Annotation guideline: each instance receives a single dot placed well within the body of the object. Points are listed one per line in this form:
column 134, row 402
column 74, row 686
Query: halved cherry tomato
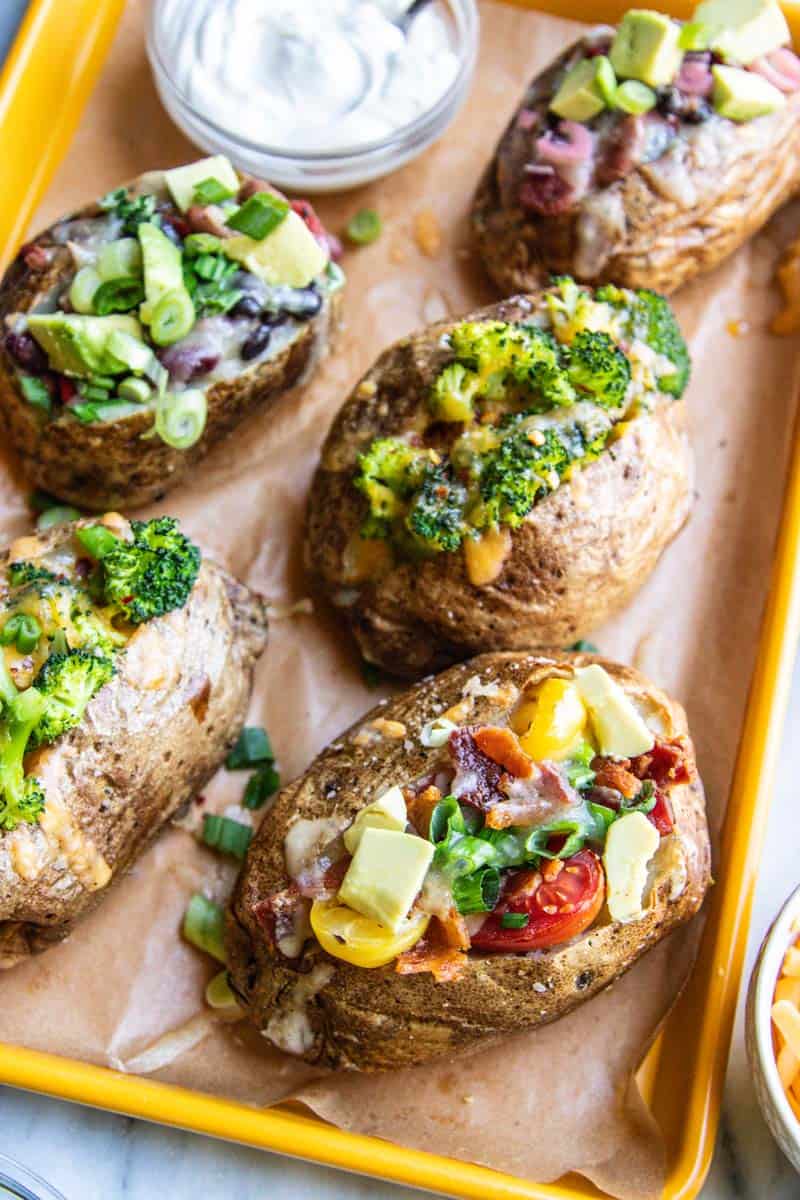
column 558, row 908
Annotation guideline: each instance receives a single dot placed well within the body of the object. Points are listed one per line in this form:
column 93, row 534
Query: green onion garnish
column 211, row 191
column 204, row 926
column 364, row 227
column 252, row 747
column 226, row 835
column 181, row 417
column 262, row 784
column 23, row 630
column 172, row 317
column 512, row 920
column 118, row 295
column 36, row 392
column 201, row 243
column 477, row 893
column 584, row 647
column 96, row 540
column 259, row 215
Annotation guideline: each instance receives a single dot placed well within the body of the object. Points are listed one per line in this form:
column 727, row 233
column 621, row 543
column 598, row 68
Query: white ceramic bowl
column 758, row 1029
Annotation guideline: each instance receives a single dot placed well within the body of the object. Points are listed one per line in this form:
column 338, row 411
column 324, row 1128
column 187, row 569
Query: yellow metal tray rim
column 32, row 143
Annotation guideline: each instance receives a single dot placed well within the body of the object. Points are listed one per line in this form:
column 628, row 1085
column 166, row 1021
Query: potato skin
column 577, row 558
column 376, row 1019
column 658, row 243
column 149, row 740
column 111, row 465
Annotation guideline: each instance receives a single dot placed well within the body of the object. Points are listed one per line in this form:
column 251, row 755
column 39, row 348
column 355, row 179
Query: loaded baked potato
column 646, row 155
column 476, row 857
column 125, row 673
column 506, row 481
column 141, row 330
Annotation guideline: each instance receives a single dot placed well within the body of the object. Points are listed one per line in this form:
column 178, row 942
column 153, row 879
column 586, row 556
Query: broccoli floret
column 541, row 375
column 598, row 366
column 388, row 474
column 572, row 309
column 151, row 575
column 453, row 393
column 23, row 572
column 68, row 682
column 21, row 797
column 436, row 516
column 519, row 471
column 650, row 318
column 489, row 347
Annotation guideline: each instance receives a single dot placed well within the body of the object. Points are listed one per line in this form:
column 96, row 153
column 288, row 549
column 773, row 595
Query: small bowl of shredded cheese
column 773, row 1028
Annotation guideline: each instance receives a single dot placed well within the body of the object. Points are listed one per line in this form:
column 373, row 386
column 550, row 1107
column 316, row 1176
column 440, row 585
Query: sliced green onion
column 119, row 259
column 106, row 410
column 262, row 784
column 204, row 926
column 118, row 295
column 211, row 191
column 695, row 35
column 579, row 768
column 59, row 514
column 23, row 630
column 252, row 747
column 135, row 389
column 172, row 317
column 219, row 994
column 83, row 289
column 226, row 835
column 363, row 227
column 259, row 215
column 8, row 689
column 201, row 243
column 92, row 392
column 446, row 817
column 634, row 97
column 477, row 893
column 513, row 920
column 584, row 647
column 96, row 540
column 604, row 78
column 603, row 816
column 36, row 392
column 645, row 802
column 212, row 267
column 181, row 417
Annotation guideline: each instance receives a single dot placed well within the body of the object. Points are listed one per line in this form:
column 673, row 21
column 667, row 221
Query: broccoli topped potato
column 150, row 575
column 523, row 404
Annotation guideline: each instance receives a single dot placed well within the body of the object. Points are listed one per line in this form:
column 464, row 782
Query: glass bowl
column 18, row 1183
column 325, row 171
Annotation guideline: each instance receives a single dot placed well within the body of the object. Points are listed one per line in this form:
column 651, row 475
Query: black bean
column 27, row 352
column 256, row 343
column 248, row 306
column 301, row 302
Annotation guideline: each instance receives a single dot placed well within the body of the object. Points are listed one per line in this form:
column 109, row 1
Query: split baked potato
column 125, row 671
column 141, row 330
column 506, row 481
column 645, row 155
column 476, row 857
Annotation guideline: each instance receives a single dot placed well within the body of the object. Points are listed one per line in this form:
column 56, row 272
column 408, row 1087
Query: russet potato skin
column 659, row 242
column 577, row 559
column 113, row 465
column 149, row 741
column 374, row 1019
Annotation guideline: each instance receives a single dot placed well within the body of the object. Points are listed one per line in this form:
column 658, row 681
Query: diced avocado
column 744, row 30
column 130, row 352
column 646, row 47
column 620, row 731
column 387, row 812
column 630, row 844
column 386, row 873
column 580, row 96
column 181, row 181
column 743, row 95
column 163, row 266
column 78, row 345
column 290, row 254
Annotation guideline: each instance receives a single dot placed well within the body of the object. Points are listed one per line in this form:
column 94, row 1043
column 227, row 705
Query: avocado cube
column 744, row 30
column 387, row 872
column 181, row 181
column 618, row 727
column 79, row 345
column 579, row 98
column 290, row 254
column 162, row 263
column 743, row 95
column 387, row 812
column 646, row 47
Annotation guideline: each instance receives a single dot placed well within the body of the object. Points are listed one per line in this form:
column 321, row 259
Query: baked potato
column 645, row 170
column 476, row 857
column 141, row 330
column 506, row 481
column 125, row 671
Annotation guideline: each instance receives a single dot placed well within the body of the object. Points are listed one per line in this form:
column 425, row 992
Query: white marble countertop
column 90, row 1155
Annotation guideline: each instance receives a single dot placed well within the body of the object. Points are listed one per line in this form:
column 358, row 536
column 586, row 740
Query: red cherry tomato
column 558, row 908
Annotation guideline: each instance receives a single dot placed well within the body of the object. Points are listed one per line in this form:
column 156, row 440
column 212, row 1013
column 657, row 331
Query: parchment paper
column 541, row 1103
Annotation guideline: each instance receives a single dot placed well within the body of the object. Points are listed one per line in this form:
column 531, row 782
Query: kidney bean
column 208, row 218
column 26, row 352
column 252, row 185
column 256, row 343
column 189, row 362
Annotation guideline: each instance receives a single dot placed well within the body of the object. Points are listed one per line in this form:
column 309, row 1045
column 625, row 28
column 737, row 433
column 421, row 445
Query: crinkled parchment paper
column 538, row 1104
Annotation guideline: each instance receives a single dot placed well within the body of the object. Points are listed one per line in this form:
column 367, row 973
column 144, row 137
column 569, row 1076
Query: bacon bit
column 428, row 233
column 454, row 930
column 552, row 869
column 67, row 390
column 538, row 800
column 522, row 884
column 666, row 764
column 276, row 914
column 613, row 774
column 478, row 778
column 503, row 747
column 436, row 952
column 420, row 806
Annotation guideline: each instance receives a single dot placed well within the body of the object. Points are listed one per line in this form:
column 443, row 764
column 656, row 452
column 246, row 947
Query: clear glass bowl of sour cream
column 18, row 1183
column 313, row 95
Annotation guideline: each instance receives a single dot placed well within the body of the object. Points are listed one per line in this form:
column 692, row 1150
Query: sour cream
column 307, row 75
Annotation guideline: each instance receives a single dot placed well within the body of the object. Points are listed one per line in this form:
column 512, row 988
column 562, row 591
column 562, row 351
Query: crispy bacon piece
column 420, row 806
column 502, row 746
column 435, row 952
column 667, row 763
column 612, row 774
column 478, row 778
column 277, row 914
column 539, row 798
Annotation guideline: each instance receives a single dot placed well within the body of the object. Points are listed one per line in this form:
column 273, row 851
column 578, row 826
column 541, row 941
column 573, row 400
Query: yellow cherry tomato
column 558, row 723
column 347, row 934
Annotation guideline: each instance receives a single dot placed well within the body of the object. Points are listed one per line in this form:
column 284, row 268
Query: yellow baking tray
column 42, row 95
